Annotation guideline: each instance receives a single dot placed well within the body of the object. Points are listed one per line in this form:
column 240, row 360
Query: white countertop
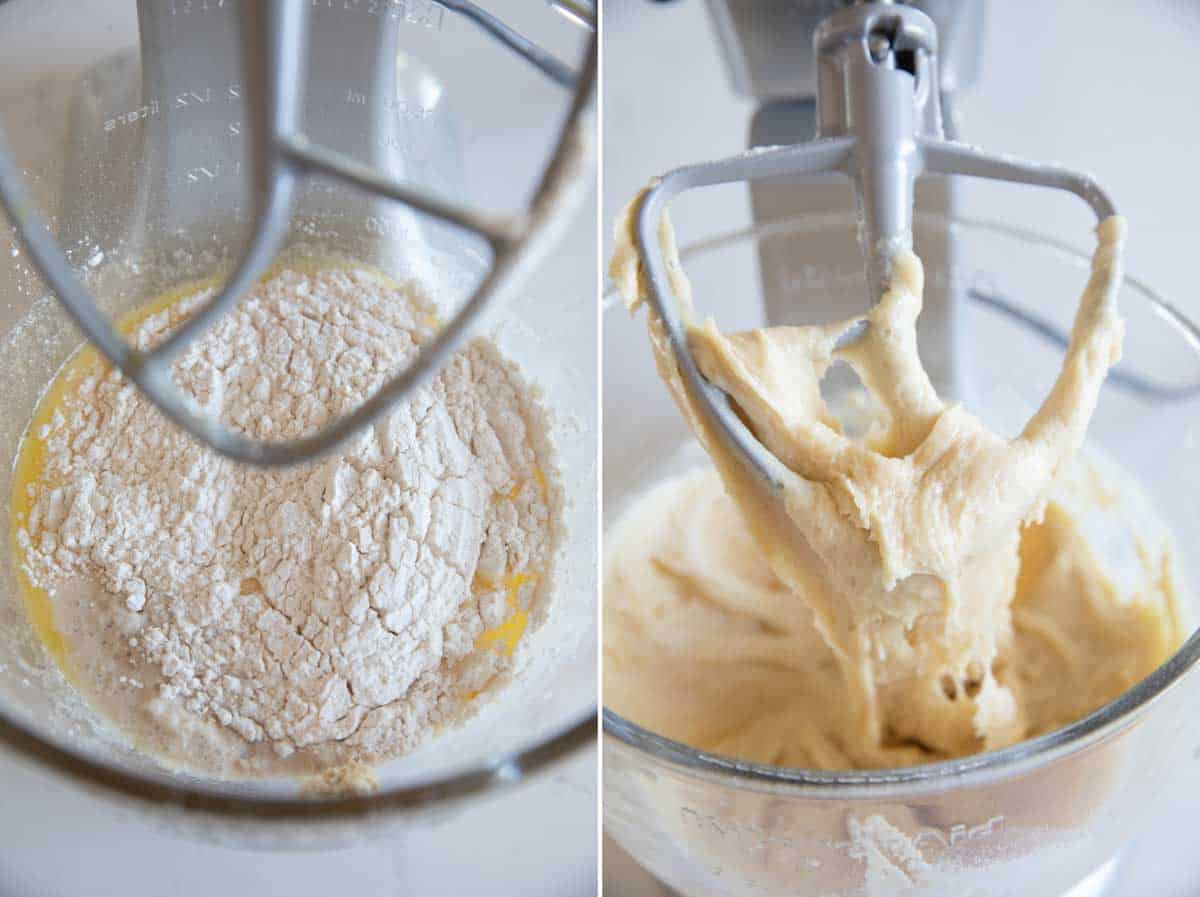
column 535, row 841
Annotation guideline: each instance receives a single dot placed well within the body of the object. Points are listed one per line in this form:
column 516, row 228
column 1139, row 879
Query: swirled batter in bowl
column 911, row 595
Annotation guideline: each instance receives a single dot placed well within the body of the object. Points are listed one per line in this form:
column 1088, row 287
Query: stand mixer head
column 879, row 124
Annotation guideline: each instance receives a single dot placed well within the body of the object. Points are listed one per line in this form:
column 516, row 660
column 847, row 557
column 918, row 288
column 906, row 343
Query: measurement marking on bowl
column 753, row 839
column 425, row 13
column 931, row 841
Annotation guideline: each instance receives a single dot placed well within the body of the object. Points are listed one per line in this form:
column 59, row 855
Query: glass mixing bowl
column 1049, row 816
column 138, row 162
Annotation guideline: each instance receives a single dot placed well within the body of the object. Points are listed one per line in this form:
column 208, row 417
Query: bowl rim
column 975, row 770
column 206, row 796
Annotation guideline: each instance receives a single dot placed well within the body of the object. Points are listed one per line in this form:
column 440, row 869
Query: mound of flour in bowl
column 241, row 621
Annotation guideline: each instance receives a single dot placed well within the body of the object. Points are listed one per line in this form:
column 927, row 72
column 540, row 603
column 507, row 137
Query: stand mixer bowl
column 136, row 223
column 1047, row 817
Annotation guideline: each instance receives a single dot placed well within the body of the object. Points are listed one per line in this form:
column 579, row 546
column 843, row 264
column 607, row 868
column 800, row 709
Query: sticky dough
column 907, row 596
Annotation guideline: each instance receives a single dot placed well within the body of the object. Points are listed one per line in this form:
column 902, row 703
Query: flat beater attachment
column 880, row 125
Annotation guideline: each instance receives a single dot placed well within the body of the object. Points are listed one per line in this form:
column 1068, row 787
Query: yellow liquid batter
column 30, row 463
column 31, row 460
column 506, row 635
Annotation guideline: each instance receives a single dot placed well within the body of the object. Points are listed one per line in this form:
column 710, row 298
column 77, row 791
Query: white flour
column 242, row 621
